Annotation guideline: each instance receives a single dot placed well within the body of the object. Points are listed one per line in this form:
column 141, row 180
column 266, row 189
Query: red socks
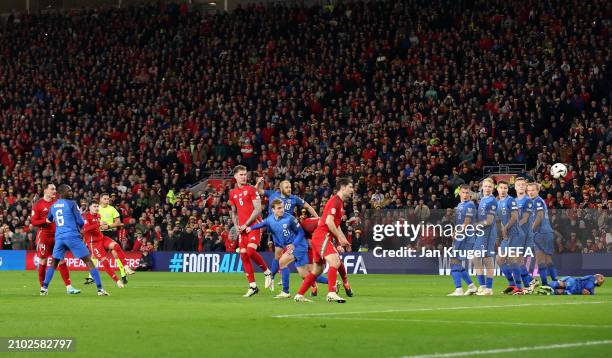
column 342, row 272
column 308, row 281
column 110, row 271
column 42, row 270
column 120, row 254
column 332, row 275
column 252, row 253
column 248, row 267
column 63, row 269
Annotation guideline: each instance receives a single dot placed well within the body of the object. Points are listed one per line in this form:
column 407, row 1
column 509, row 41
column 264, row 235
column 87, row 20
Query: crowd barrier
column 356, row 263
column 27, row 260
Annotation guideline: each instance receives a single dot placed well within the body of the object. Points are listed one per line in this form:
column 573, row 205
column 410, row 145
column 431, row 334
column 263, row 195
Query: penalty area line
column 427, row 309
column 511, row 350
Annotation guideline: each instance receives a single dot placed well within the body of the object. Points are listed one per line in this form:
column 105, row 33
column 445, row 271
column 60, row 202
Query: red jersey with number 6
column 242, row 198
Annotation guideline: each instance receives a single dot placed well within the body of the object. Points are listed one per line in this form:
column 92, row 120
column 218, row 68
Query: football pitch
column 205, row 315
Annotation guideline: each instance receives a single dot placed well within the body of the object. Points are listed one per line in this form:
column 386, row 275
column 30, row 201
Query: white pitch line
column 495, row 323
column 511, row 350
column 429, row 309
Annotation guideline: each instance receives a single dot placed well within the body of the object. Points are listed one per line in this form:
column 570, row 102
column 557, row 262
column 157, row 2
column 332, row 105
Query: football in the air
column 558, row 170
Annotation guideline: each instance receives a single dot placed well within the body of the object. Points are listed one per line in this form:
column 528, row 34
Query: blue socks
column 525, row 276
column 48, row 276
column 456, row 274
column 274, row 267
column 516, row 273
column 322, row 279
column 466, row 276
column 552, row 271
column 505, row 269
column 543, row 271
column 95, row 274
column 489, row 282
column 481, row 280
column 285, row 276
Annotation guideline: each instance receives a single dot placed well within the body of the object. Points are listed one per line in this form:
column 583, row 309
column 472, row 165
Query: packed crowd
column 409, row 98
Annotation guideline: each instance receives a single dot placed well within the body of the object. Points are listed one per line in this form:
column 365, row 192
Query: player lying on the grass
column 98, row 243
column 322, row 244
column 542, row 236
column 245, row 210
column 512, row 237
column 485, row 239
column 290, row 202
column 68, row 221
column 45, row 239
column 464, row 241
column 526, row 217
column 288, row 235
column 568, row 285
column 309, row 225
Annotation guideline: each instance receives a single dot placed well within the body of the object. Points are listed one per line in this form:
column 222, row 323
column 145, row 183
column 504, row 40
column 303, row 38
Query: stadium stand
column 409, row 100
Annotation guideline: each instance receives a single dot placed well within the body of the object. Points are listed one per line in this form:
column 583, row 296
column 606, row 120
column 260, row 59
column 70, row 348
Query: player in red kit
column 310, row 225
column 97, row 243
column 45, row 238
column 323, row 248
column 246, row 211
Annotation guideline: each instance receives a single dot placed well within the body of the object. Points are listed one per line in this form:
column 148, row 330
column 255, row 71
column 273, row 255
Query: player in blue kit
column 68, row 222
column 573, row 285
column 290, row 203
column 288, row 235
column 512, row 237
column 485, row 239
column 464, row 241
column 542, row 237
column 526, row 217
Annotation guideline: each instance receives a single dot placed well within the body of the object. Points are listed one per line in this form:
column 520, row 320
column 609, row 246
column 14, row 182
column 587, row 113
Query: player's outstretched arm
column 259, row 186
column 311, row 210
column 261, row 225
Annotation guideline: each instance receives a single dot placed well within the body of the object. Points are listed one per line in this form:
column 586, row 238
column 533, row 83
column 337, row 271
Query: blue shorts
column 529, row 241
column 544, row 242
column 277, row 243
column 460, row 248
column 301, row 257
column 572, row 286
column 518, row 240
column 486, row 244
column 73, row 244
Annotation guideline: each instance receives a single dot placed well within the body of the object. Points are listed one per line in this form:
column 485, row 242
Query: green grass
column 180, row 314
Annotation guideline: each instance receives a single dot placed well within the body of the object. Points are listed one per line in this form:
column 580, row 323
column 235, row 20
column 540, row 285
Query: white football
column 558, row 170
